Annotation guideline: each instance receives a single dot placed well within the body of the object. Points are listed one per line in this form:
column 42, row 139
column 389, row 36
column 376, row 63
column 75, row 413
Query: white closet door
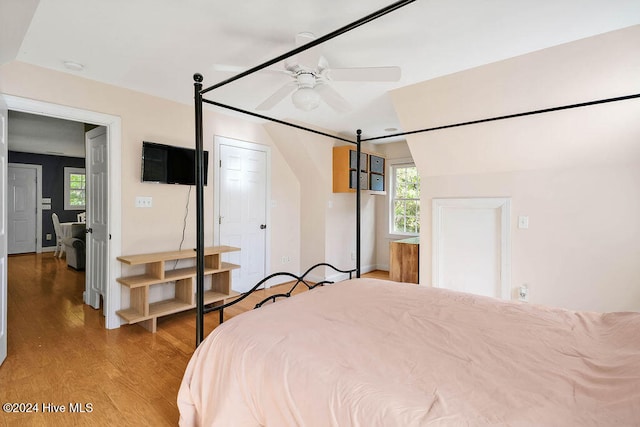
column 243, row 212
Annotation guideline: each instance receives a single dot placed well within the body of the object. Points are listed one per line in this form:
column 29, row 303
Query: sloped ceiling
column 155, row 46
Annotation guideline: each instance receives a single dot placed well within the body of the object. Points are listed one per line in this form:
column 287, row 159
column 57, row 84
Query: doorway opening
column 106, row 268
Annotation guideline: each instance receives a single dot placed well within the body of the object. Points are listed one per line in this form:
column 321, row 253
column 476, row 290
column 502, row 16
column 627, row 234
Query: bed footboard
column 302, row 279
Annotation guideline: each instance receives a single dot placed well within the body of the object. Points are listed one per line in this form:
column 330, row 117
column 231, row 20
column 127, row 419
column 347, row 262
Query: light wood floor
column 59, row 352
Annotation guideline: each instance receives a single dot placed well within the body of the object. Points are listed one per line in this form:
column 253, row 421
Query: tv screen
column 168, row 164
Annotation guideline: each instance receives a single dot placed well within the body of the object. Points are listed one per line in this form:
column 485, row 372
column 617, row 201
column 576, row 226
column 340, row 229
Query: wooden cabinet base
column 404, row 262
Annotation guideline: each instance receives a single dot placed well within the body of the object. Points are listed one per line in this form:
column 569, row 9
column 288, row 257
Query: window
column 75, row 188
column 405, row 200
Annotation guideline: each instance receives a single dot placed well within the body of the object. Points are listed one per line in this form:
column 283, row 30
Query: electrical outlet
column 48, row 236
column 523, row 293
column 286, row 259
column 144, row 202
column 523, row 221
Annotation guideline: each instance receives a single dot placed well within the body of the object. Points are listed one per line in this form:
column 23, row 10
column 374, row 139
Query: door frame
column 114, row 141
column 504, row 206
column 38, row 169
column 219, row 140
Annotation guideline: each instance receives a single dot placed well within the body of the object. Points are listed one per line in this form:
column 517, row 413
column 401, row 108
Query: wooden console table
column 404, row 263
column 145, row 313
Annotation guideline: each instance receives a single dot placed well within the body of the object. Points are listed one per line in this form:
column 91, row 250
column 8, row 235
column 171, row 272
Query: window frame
column 68, row 171
column 400, row 163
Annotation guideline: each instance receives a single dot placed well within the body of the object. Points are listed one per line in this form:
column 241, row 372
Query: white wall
column 327, row 226
column 574, row 173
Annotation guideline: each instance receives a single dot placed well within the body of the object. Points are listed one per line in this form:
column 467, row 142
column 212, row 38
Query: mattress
column 368, row 352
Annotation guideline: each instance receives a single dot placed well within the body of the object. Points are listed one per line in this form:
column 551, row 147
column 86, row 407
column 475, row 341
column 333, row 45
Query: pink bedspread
column 374, row 353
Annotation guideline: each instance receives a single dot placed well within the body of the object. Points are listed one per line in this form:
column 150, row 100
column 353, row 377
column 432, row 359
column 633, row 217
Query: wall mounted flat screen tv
column 168, row 164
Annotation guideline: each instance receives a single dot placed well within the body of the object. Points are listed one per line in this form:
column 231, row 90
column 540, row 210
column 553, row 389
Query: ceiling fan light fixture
column 306, row 99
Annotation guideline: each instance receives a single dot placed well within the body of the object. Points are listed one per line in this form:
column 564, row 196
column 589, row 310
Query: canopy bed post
column 358, row 202
column 199, row 211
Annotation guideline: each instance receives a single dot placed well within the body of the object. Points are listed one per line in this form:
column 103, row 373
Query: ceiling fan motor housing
column 306, row 79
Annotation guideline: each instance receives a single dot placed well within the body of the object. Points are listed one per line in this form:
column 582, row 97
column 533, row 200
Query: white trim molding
column 114, row 140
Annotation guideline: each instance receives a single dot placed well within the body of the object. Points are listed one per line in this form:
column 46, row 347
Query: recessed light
column 390, row 129
column 73, row 66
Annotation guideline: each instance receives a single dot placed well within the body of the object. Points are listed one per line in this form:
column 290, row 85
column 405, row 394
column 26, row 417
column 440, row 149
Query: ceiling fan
column 311, row 79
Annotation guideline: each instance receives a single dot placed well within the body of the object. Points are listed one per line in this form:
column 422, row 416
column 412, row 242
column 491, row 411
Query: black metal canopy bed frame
column 200, row 92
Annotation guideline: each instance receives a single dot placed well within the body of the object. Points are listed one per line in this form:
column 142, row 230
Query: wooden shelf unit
column 141, row 311
column 371, row 171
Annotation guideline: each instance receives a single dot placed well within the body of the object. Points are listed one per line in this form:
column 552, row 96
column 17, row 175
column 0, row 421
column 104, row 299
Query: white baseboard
column 339, row 277
column 279, row 280
column 383, row 267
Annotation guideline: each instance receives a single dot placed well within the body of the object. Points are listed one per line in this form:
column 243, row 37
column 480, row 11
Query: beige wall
column 395, row 152
column 575, row 173
column 147, row 118
column 327, row 226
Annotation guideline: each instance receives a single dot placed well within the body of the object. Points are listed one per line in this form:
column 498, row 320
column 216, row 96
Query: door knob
column 263, row 226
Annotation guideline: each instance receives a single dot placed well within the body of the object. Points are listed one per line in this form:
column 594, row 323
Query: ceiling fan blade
column 332, row 98
column 366, row 74
column 228, row 68
column 310, row 57
column 277, row 96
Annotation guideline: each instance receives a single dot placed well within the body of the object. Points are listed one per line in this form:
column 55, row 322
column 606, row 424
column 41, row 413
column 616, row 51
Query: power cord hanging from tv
column 184, row 223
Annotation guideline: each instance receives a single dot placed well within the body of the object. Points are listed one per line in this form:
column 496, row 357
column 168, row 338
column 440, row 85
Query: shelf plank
column 131, row 315
column 171, row 306
column 171, row 275
column 173, row 255
column 227, row 266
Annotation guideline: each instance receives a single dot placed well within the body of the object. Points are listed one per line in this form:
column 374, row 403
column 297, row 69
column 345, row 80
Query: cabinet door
column 376, row 165
column 377, row 182
column 364, row 180
column 364, row 160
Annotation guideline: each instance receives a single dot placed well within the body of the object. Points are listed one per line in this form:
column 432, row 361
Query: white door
column 3, row 233
column 21, row 208
column 471, row 245
column 97, row 216
column 243, row 212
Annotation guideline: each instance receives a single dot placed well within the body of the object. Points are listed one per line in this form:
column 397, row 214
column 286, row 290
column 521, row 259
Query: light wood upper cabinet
column 345, row 172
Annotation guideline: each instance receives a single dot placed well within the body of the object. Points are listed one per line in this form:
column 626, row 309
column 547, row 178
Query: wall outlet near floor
column 144, row 202
column 523, row 221
column 523, row 293
column 286, row 259
column 48, row 236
